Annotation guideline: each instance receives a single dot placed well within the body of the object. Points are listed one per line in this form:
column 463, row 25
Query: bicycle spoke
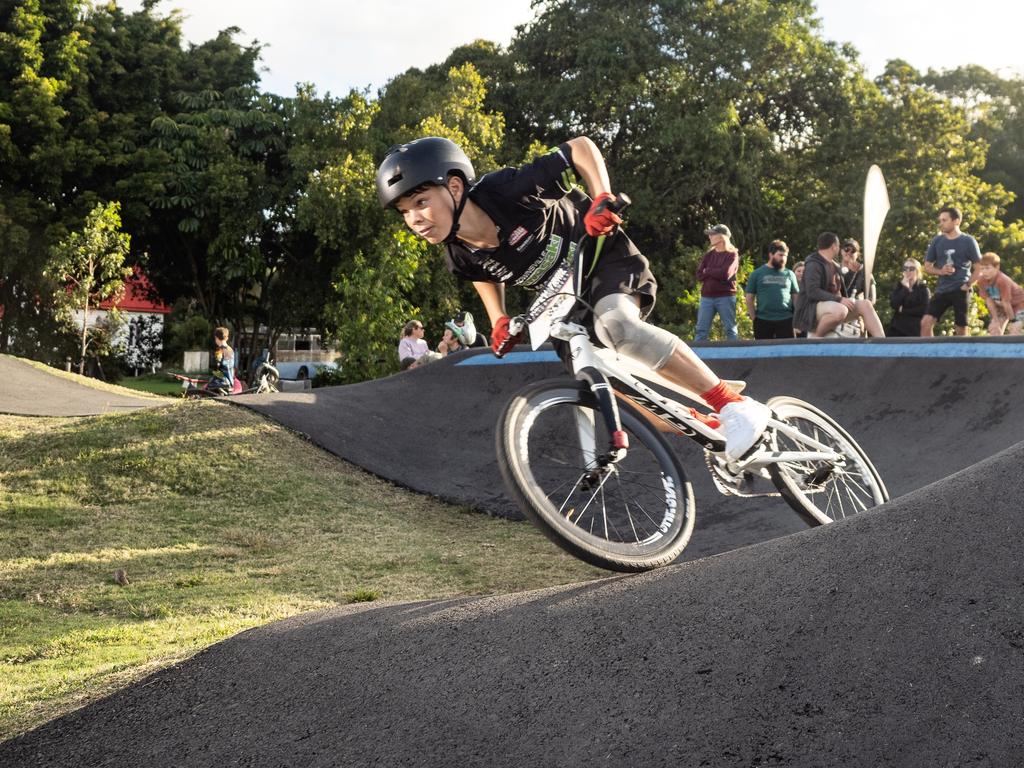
column 823, row 490
column 628, row 515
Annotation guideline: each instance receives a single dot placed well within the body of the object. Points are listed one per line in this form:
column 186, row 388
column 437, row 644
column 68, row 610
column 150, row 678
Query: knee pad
column 618, row 326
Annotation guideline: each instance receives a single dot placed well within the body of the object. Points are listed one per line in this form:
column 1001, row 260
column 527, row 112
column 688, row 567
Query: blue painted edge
column 933, row 350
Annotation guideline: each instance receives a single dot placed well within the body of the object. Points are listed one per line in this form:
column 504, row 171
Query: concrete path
column 26, row 390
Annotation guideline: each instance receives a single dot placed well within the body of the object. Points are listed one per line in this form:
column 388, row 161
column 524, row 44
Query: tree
column 89, row 267
column 41, row 53
column 371, row 303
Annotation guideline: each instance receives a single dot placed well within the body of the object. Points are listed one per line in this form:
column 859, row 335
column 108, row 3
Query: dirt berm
column 893, row 638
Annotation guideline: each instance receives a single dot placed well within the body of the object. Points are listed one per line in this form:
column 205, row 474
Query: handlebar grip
column 617, row 205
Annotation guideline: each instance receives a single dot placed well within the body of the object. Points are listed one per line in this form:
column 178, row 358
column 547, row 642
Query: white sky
column 353, row 44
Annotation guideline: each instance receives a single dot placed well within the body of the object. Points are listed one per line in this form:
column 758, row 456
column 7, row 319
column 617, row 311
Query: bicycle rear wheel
column 633, row 515
column 823, row 492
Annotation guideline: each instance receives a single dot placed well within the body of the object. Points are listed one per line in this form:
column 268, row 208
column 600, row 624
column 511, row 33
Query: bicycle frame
column 606, row 372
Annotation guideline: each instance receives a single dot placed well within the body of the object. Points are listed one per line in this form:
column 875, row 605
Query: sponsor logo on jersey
column 498, row 270
column 535, row 273
column 525, row 244
column 517, row 234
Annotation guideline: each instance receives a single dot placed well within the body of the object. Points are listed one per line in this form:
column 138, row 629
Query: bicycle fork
column 585, row 369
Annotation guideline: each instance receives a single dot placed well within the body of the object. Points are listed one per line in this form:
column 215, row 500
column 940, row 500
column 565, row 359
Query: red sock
column 720, row 396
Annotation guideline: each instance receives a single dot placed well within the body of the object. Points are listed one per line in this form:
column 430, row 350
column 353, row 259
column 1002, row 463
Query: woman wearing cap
column 516, row 225
column 717, row 277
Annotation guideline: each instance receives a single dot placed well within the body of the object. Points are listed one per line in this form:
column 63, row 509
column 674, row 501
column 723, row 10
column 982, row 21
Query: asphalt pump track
column 892, row 638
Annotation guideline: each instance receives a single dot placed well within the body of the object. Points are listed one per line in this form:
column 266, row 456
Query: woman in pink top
column 1003, row 297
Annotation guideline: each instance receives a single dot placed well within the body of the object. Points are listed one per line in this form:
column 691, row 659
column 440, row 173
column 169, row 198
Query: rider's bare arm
column 493, row 297
column 589, row 163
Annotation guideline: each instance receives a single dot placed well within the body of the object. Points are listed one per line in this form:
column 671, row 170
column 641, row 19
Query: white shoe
column 743, row 423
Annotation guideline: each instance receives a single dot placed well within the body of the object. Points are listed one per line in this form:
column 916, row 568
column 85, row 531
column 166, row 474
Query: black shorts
column 621, row 268
column 940, row 302
column 773, row 329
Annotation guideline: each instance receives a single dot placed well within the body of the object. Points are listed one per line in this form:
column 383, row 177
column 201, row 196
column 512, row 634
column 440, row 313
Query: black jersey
column 539, row 214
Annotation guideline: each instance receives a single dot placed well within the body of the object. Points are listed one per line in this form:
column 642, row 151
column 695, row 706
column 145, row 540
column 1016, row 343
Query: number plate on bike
column 556, row 300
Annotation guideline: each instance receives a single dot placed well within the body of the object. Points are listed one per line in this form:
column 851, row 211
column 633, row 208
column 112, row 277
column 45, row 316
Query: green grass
column 154, row 383
column 221, row 521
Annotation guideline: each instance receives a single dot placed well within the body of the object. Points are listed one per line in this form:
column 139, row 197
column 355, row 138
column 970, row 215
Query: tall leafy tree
column 41, row 52
column 89, row 268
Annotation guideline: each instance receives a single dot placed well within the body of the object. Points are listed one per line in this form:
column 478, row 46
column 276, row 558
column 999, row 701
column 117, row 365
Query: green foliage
column 41, row 50
column 186, row 330
column 260, row 211
column 327, row 376
column 371, row 304
column 88, row 267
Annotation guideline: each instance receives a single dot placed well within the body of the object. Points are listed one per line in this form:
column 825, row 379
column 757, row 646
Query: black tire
column 822, row 493
column 303, row 374
column 643, row 505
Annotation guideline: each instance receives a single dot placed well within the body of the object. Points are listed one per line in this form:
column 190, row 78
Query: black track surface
column 432, row 429
column 894, row 638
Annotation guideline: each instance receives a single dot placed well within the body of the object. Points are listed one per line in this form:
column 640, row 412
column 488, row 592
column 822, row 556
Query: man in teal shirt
column 770, row 291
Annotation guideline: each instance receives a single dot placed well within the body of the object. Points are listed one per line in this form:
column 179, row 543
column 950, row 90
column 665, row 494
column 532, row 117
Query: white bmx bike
column 587, row 460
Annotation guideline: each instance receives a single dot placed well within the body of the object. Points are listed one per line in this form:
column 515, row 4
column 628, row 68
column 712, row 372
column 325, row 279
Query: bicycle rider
column 517, row 224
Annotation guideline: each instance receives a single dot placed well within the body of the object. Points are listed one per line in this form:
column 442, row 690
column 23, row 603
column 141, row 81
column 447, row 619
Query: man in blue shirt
column 951, row 257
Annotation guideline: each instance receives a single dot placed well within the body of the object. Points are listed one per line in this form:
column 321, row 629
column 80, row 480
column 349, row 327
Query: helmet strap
column 456, row 213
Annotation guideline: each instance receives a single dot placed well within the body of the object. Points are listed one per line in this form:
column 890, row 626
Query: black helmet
column 430, row 160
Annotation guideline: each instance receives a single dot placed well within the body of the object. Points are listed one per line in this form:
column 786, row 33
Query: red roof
column 138, row 297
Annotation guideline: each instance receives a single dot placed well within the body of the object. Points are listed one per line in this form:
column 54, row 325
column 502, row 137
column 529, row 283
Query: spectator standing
column 412, row 344
column 909, row 300
column 950, row 257
column 770, row 293
column 798, row 300
column 1003, row 298
column 824, row 306
column 717, row 276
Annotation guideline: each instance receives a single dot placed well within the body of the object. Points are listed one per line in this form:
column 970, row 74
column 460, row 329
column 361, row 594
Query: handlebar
column 617, row 205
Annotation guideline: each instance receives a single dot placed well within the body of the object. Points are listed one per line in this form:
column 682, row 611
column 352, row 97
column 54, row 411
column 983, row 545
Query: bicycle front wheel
column 821, row 491
column 633, row 515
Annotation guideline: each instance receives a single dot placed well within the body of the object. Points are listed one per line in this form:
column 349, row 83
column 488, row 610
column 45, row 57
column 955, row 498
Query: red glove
column 601, row 219
column 501, row 340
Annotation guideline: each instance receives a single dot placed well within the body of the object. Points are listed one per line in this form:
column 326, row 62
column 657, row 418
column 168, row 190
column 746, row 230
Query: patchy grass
column 153, row 383
column 131, row 541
